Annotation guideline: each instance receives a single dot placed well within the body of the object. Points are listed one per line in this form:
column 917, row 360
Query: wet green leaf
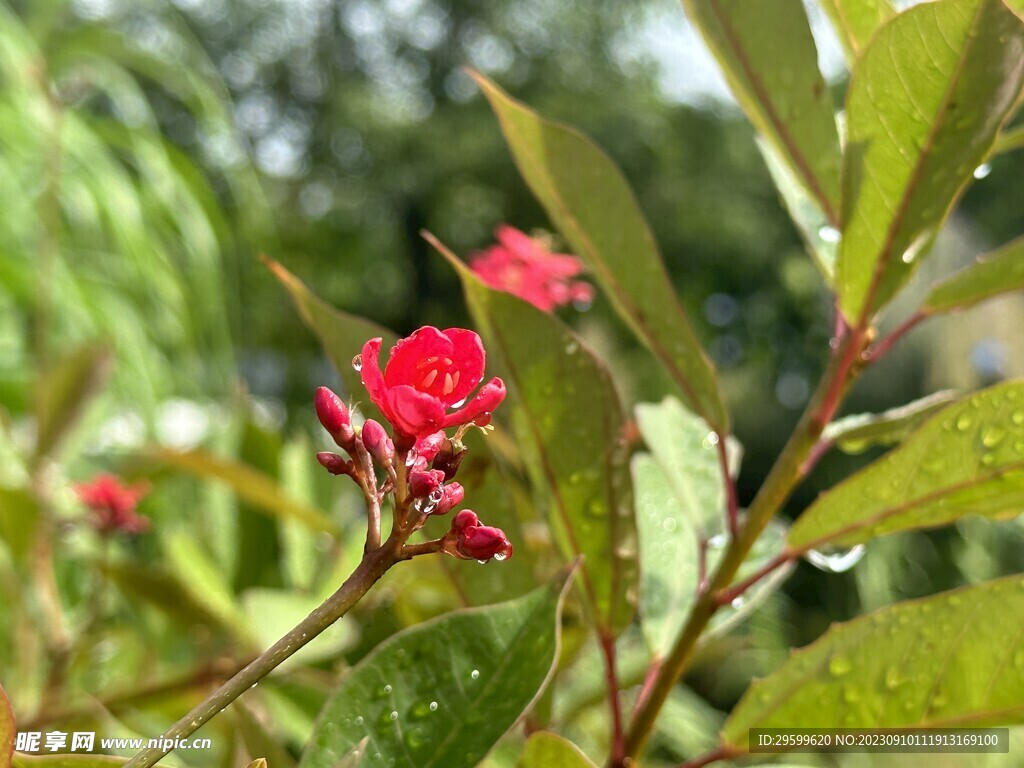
column 925, row 104
column 994, row 274
column 968, row 459
column 549, row 750
column 342, row 335
column 587, row 198
column 855, row 21
column 65, row 389
column 569, row 414
column 768, row 57
column 444, row 692
column 258, row 489
column 857, row 433
column 950, row 660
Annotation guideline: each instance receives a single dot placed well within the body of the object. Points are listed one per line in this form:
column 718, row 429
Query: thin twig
column 726, row 596
column 618, row 743
column 730, row 487
column 879, row 349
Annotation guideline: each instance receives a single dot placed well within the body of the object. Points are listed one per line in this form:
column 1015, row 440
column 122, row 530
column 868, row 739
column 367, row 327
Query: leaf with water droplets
column 995, row 274
column 951, row 660
column 342, row 335
column 569, row 421
column 768, row 57
column 855, row 21
column 857, row 433
column 967, row 459
column 680, row 500
column 926, row 100
column 549, row 750
column 444, row 692
column 591, row 203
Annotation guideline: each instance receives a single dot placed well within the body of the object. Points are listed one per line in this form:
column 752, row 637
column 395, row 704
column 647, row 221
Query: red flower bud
column 377, row 442
column 427, row 447
column 334, row 463
column 422, row 484
column 482, row 542
column 465, row 519
column 334, row 417
column 453, row 495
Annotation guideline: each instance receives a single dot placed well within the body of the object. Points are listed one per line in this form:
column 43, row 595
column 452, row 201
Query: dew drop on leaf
column 357, row 362
column 839, row 665
column 836, row 561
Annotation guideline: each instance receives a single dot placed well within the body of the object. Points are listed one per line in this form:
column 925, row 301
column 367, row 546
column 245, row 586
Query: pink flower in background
column 113, row 503
column 525, row 267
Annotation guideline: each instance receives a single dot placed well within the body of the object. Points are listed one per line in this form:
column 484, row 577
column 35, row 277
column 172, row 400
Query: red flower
column 427, row 374
column 113, row 504
column 525, row 267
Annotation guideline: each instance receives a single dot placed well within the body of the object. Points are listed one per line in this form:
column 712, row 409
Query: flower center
column 437, row 376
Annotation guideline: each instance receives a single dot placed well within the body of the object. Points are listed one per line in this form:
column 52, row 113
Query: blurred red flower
column 112, row 504
column 525, row 267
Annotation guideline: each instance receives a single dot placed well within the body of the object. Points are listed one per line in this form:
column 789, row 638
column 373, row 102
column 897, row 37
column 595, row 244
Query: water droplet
column 669, row 524
column 411, row 457
column 711, row 439
column 964, row 422
column 572, row 347
column 357, row 362
column 433, row 706
column 916, row 247
column 982, row 171
column 482, row 562
column 836, row 561
column 499, row 556
column 475, row 674
column 394, row 715
column 828, row 234
column 459, row 404
column 839, row 665
column 359, row 720
column 737, row 603
column 388, row 689
column 717, row 541
column 992, row 436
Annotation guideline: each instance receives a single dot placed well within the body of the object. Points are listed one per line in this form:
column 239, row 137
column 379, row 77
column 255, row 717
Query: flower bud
column 465, row 519
column 377, row 443
column 334, row 417
column 449, row 457
column 482, row 542
column 427, row 447
column 422, row 484
column 453, row 494
column 334, row 463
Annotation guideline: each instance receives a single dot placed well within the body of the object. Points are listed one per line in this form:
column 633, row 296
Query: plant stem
column 844, row 365
column 618, row 744
column 372, row 567
column 726, row 596
column 876, row 352
column 730, row 487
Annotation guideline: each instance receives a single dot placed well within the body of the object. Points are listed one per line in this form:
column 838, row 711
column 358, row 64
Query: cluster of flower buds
column 112, row 504
column 423, row 391
column 526, row 267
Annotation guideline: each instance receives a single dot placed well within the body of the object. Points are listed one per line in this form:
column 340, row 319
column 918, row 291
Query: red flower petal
column 413, row 412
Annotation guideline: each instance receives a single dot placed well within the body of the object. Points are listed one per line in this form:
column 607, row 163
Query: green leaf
column 254, row 487
column 680, row 502
column 950, row 660
column 444, row 692
column 571, row 418
column 925, row 104
column 342, row 335
column 549, row 750
column 968, row 459
column 64, row 391
column 8, row 730
column 1009, row 140
column 855, row 21
column 991, row 275
column 768, row 57
column 587, row 198
column 855, row 434
column 21, row 760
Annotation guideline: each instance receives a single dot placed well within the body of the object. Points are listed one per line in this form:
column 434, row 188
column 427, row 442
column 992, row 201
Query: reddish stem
column 730, row 487
column 726, row 596
column 702, row 565
column 617, row 757
column 648, row 684
column 877, row 351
